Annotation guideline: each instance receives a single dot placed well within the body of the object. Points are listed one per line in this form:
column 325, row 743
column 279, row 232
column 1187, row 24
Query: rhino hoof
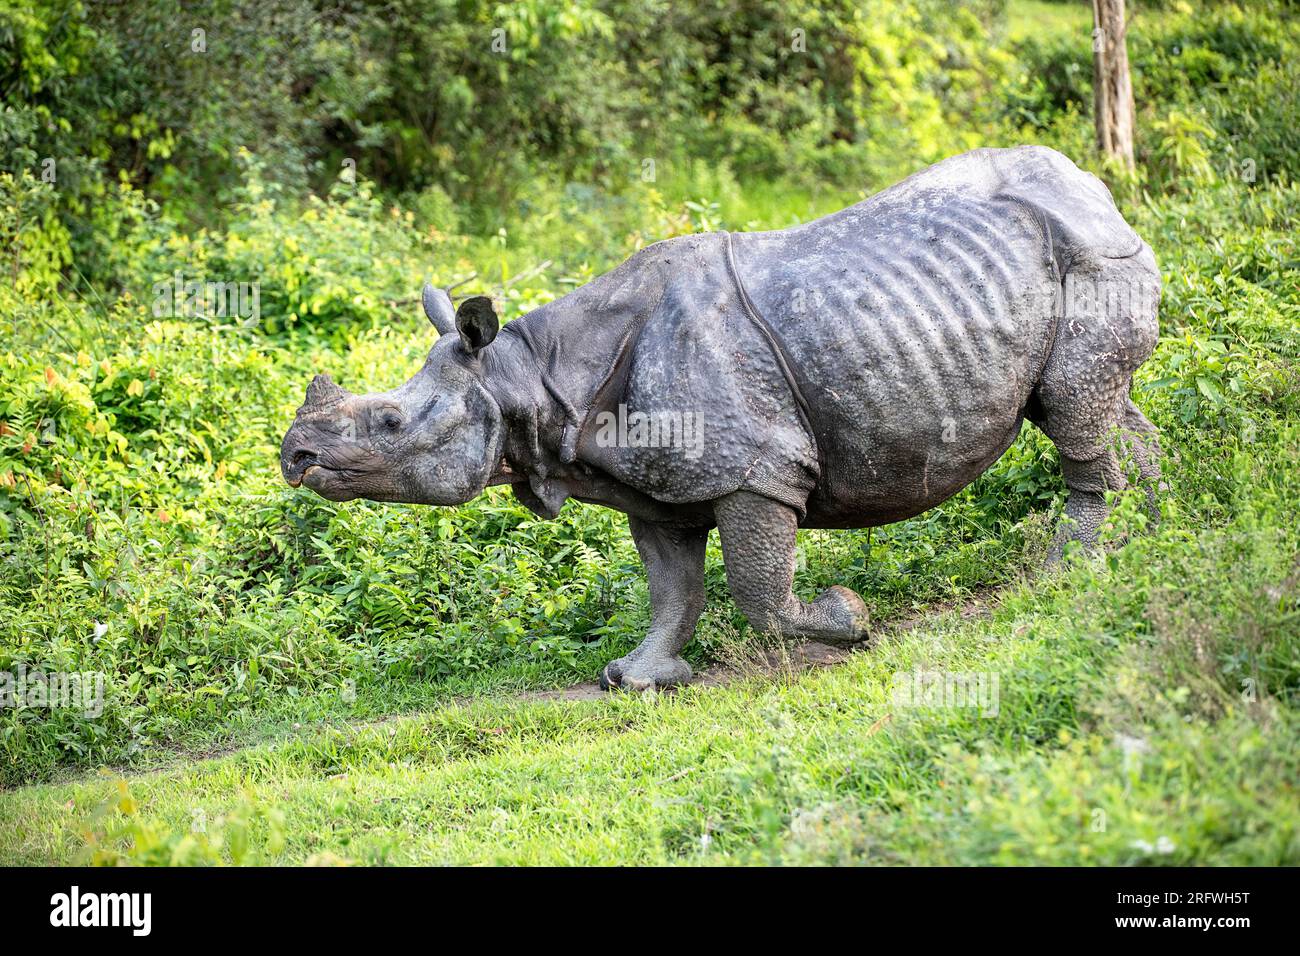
column 628, row 673
column 848, row 612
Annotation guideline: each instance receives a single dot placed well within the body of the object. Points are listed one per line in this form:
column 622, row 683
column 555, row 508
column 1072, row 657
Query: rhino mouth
column 301, row 479
column 331, row 483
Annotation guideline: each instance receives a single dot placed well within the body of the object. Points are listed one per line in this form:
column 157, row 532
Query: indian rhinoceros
column 849, row 372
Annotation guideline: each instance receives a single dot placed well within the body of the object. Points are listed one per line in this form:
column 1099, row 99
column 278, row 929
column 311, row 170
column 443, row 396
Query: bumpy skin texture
column 850, row 372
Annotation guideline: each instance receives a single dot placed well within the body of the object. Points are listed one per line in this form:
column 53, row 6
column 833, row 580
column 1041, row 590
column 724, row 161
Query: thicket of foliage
column 144, row 529
column 1215, row 88
column 438, row 98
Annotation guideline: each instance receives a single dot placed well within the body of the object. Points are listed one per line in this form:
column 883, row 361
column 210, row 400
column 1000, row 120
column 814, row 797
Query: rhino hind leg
column 758, row 548
column 674, row 563
column 1085, row 510
column 1141, row 442
column 1130, row 439
column 1082, row 400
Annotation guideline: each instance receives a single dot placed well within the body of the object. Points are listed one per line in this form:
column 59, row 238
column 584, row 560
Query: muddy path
column 792, row 659
column 785, row 660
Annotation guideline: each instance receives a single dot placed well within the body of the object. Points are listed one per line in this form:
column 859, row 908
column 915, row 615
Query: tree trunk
column 1112, row 89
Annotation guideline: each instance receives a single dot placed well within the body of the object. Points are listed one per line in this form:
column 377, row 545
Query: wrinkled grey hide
column 846, row 373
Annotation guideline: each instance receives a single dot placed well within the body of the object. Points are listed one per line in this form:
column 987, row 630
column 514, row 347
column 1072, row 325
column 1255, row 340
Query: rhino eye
column 391, row 420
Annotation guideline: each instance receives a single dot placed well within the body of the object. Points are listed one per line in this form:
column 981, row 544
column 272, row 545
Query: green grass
column 1147, row 696
column 1105, row 743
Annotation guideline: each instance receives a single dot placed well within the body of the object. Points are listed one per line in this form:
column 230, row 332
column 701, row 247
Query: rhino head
column 435, row 440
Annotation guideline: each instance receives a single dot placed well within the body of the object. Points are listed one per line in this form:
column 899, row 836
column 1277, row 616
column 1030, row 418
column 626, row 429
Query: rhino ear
column 477, row 323
column 437, row 306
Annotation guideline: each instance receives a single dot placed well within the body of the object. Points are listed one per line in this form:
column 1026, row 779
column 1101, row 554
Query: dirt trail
column 768, row 663
column 796, row 658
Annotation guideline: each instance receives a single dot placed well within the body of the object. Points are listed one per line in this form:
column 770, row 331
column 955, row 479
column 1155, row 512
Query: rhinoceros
column 849, row 372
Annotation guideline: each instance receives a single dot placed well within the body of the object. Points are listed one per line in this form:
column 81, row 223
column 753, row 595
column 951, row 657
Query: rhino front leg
column 674, row 564
column 758, row 546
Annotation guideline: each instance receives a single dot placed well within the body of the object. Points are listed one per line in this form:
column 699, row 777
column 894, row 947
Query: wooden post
column 1112, row 88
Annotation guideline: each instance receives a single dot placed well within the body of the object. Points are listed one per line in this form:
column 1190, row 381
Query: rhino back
column 919, row 322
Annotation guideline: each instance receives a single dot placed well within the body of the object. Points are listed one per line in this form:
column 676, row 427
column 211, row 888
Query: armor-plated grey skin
column 850, row 372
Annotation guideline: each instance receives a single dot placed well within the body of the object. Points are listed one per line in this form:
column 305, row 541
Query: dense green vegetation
column 337, row 155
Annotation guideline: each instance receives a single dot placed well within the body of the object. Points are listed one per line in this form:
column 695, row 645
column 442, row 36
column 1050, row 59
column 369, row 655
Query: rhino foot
column 645, row 672
column 847, row 616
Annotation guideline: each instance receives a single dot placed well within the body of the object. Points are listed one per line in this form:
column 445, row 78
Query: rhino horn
column 437, row 306
column 323, row 393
